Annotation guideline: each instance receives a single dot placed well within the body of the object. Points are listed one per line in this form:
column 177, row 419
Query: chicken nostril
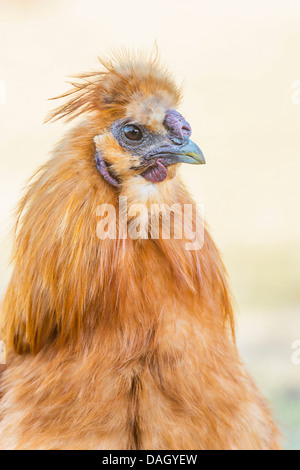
column 177, row 140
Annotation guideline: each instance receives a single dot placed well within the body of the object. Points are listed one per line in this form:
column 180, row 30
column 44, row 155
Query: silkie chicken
column 121, row 342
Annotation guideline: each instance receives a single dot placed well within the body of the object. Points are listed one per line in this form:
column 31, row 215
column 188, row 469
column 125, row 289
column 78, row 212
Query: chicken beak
column 189, row 152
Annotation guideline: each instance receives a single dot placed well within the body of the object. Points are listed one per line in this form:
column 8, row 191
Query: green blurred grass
column 266, row 285
column 265, row 276
column 287, row 410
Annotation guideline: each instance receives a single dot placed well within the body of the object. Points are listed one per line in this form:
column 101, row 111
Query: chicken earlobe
column 102, row 166
column 103, row 169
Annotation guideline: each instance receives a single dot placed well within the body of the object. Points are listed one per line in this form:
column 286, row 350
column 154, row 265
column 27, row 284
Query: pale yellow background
column 237, row 61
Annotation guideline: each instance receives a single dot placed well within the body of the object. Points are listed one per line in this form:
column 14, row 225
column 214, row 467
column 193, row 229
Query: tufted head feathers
column 126, row 86
column 140, row 136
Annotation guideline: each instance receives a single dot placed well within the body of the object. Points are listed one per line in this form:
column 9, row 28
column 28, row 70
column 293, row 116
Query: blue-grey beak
column 188, row 152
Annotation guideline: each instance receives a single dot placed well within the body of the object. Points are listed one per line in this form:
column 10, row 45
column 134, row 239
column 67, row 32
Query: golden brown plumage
column 118, row 344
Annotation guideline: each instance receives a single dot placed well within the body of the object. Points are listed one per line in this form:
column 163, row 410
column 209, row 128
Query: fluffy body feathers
column 118, row 344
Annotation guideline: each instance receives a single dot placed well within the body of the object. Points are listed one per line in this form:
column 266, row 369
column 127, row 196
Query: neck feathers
column 67, row 283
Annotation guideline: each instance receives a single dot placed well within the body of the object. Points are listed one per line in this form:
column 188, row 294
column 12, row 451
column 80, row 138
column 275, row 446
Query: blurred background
column 238, row 62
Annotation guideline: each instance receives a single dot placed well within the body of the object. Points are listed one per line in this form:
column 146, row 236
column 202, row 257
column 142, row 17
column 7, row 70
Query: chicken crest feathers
column 109, row 91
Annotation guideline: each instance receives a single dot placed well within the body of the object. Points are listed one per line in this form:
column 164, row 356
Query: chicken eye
column 132, row 132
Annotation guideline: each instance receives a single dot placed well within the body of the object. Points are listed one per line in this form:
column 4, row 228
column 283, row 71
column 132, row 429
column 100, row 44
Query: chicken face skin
column 147, row 153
